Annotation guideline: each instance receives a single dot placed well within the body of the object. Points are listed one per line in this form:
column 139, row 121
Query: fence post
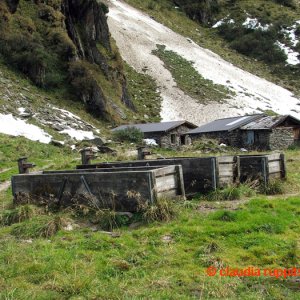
column 282, row 166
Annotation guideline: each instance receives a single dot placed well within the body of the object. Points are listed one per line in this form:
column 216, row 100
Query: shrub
column 273, row 188
column 256, row 43
column 41, row 226
column 19, row 214
column 62, row 43
column 162, row 210
column 230, row 193
column 129, row 134
column 288, row 3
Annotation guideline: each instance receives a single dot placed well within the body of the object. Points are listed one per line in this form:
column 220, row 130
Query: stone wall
column 281, row 138
column 261, row 140
column 232, row 138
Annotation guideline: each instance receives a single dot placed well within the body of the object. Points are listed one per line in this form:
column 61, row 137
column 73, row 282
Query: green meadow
column 162, row 252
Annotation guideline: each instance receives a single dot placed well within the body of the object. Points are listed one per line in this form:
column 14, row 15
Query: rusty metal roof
column 227, row 124
column 157, row 127
column 269, row 122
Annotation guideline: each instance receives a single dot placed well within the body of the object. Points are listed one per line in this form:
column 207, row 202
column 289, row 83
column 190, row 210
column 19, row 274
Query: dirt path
column 4, row 186
column 212, row 206
column 137, row 34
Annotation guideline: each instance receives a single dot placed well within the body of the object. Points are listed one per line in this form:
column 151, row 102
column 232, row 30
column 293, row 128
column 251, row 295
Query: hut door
column 182, row 140
column 296, row 134
column 250, row 137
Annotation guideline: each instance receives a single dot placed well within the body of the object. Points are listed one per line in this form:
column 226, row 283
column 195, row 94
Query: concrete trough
column 120, row 189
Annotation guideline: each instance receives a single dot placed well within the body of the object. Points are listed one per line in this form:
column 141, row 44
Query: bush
column 162, row 210
column 62, row 43
column 200, row 10
column 288, row 3
column 129, row 134
column 256, row 43
column 230, row 193
column 274, row 187
column 37, row 227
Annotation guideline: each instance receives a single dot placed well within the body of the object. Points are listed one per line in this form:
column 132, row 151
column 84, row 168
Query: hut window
column 173, row 138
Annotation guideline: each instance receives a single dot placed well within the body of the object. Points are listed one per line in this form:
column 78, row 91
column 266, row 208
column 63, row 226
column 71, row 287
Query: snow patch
column 223, row 21
column 253, row 23
column 292, row 56
column 21, row 110
column 79, row 135
column 290, row 33
column 150, row 142
column 16, row 127
column 66, row 113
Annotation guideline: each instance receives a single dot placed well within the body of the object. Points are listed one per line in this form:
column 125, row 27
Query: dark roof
column 227, row 124
column 157, row 127
column 269, row 122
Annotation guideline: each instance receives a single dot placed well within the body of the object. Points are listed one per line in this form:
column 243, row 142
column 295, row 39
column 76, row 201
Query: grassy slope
column 189, row 80
column 158, row 260
column 173, row 18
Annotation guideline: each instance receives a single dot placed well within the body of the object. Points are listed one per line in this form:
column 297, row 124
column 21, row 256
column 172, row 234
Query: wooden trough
column 262, row 167
column 204, row 174
column 121, row 189
column 199, row 173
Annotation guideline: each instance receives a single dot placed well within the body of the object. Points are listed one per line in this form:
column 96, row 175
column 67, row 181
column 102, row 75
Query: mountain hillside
column 189, row 75
column 190, row 69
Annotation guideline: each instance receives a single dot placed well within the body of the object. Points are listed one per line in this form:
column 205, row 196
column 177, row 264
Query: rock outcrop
column 71, row 48
column 199, row 10
column 12, row 5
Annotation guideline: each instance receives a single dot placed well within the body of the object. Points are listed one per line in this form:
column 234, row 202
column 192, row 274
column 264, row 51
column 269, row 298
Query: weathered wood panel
column 228, row 170
column 199, row 173
column 262, row 167
column 121, row 190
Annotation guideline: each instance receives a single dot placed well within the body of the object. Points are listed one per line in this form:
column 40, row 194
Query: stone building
column 166, row 134
column 256, row 132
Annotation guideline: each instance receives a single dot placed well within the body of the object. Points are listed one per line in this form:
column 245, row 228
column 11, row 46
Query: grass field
column 65, row 255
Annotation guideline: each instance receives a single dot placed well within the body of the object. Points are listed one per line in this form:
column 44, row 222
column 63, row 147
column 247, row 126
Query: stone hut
column 256, row 132
column 271, row 133
column 166, row 134
column 224, row 130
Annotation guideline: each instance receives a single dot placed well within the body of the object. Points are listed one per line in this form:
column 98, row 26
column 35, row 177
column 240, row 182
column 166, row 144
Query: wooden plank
column 225, row 173
column 274, row 169
column 273, row 156
column 227, row 167
column 165, row 183
column 112, row 169
column 225, row 159
column 171, row 194
column 164, row 170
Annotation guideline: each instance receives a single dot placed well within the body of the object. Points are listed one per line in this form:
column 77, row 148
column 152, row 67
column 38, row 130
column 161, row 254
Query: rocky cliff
column 65, row 45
